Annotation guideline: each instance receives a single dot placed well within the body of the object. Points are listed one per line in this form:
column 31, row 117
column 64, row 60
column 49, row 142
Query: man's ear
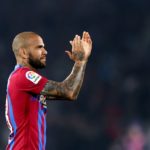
column 23, row 53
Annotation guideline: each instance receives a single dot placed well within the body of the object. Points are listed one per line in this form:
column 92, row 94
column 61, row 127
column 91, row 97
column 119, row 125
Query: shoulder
column 25, row 73
column 33, row 76
column 27, row 80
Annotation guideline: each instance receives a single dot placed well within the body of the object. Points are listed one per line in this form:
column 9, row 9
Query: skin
column 29, row 51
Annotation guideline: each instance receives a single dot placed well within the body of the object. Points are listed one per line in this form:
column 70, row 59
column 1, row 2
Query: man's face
column 37, row 53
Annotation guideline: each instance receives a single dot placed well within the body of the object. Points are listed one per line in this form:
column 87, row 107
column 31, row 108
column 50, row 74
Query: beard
column 36, row 63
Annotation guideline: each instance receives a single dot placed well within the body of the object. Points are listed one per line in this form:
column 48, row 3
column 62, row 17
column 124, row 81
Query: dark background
column 116, row 91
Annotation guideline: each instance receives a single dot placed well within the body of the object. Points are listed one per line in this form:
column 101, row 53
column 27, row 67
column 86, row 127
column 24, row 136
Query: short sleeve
column 30, row 81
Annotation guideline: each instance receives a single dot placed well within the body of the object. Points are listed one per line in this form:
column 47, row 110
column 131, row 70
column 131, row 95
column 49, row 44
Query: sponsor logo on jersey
column 33, row 76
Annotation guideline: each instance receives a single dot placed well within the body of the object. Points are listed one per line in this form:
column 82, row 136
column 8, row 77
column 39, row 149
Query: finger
column 90, row 41
column 70, row 42
column 75, row 42
column 69, row 54
column 87, row 36
column 78, row 41
column 84, row 35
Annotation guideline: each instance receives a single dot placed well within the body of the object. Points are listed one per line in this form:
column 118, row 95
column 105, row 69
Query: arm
column 70, row 87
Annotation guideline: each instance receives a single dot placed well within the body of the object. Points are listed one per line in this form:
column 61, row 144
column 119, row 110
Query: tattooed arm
column 70, row 87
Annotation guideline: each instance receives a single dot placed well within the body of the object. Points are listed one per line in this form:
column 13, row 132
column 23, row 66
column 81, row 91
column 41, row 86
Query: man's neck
column 26, row 65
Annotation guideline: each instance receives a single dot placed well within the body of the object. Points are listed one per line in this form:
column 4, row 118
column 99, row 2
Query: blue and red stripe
column 12, row 122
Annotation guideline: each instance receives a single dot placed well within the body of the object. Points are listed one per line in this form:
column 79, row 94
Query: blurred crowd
column 112, row 111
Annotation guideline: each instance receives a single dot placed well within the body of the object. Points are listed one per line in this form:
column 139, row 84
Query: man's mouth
column 44, row 58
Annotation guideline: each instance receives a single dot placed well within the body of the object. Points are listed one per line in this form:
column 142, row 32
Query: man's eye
column 40, row 46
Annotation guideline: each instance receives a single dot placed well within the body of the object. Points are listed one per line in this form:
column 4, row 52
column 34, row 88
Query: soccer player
column 28, row 91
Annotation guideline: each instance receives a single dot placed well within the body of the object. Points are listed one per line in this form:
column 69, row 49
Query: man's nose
column 45, row 51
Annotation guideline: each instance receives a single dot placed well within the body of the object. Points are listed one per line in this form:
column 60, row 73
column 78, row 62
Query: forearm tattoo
column 70, row 87
column 78, row 55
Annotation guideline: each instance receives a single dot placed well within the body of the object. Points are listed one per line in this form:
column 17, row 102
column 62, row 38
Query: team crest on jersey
column 43, row 101
column 33, row 77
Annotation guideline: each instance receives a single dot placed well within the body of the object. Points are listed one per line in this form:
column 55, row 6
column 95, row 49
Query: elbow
column 72, row 96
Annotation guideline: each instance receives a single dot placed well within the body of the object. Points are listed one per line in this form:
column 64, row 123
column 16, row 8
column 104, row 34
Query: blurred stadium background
column 113, row 108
